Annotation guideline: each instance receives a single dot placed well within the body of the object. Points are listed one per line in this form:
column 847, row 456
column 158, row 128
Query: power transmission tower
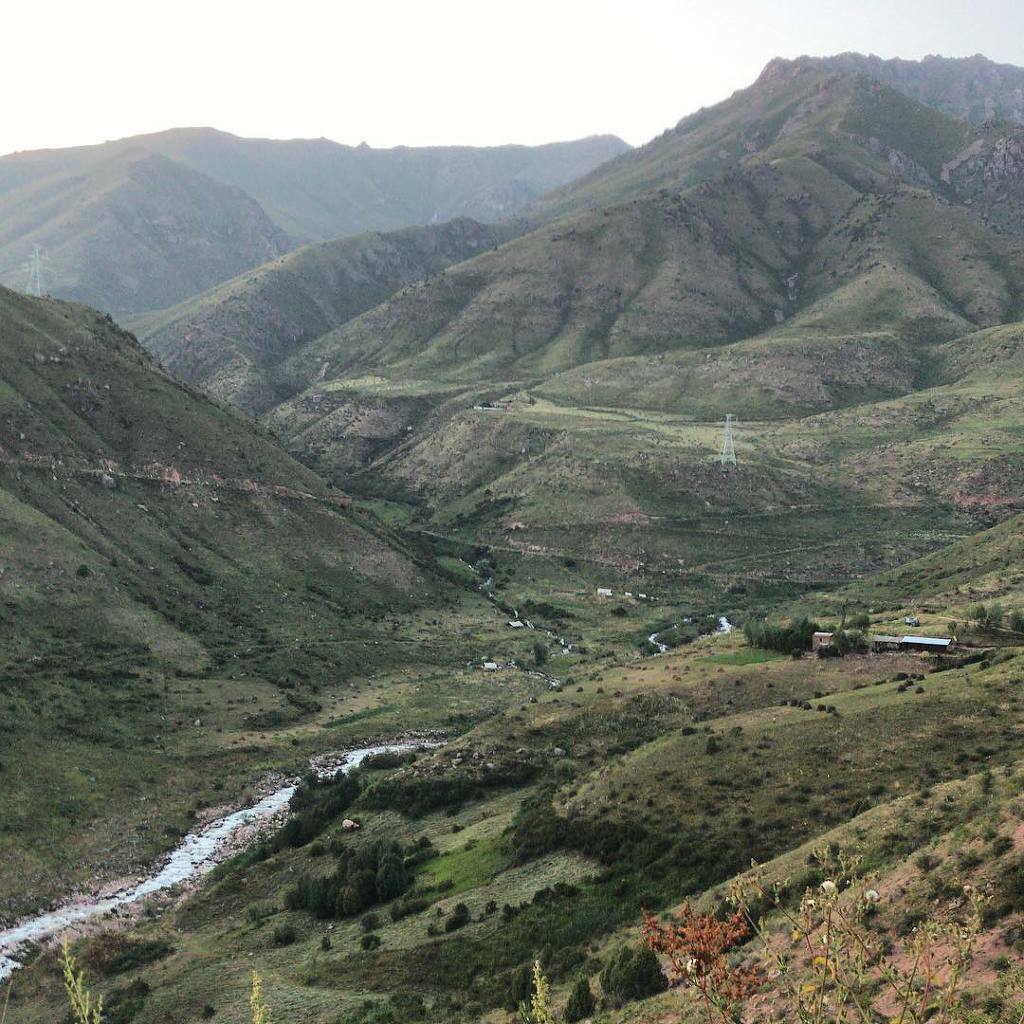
column 727, row 456
column 35, row 266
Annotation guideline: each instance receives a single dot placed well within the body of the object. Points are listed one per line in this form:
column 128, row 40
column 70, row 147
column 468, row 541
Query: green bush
column 458, row 918
column 633, row 974
column 581, row 1002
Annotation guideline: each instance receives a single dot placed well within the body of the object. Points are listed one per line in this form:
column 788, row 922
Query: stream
column 724, row 628
column 197, row 854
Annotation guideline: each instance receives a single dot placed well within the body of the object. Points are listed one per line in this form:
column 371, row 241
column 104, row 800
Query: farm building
column 821, row 639
column 490, row 666
column 926, row 643
column 604, row 592
column 886, row 643
column 935, row 644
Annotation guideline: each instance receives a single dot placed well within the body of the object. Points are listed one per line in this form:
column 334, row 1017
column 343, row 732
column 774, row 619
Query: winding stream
column 724, row 628
column 197, row 854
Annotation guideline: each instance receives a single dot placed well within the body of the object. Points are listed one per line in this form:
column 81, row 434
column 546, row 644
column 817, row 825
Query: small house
column 821, row 639
column 490, row 666
column 516, row 624
column 604, row 592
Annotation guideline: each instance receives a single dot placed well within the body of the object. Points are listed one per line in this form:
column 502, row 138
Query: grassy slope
column 864, row 396
column 812, row 225
column 135, row 232
column 231, row 339
column 215, row 580
column 695, row 818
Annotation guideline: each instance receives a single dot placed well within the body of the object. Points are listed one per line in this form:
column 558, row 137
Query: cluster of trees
column 315, row 804
column 995, row 616
column 788, row 638
column 416, row 795
column 375, row 873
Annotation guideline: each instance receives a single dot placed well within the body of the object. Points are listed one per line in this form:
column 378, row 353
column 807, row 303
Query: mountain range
column 145, row 222
column 466, row 482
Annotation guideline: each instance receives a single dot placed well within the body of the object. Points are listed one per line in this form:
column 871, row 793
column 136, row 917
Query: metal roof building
column 926, row 643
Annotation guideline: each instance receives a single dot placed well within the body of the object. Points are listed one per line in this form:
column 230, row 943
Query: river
column 197, row 854
column 724, row 628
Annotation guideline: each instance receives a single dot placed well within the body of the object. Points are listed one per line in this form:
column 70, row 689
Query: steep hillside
column 130, row 232
column 840, row 220
column 230, row 340
column 174, row 590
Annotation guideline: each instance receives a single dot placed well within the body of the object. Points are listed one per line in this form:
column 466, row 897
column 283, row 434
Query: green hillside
column 174, row 591
column 821, row 224
column 130, row 232
column 646, row 784
column 147, row 222
column 490, row 503
column 231, row 340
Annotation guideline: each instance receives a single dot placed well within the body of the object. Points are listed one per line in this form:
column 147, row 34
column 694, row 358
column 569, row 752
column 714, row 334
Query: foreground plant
column 696, row 946
column 835, row 970
column 260, row 1010
column 83, row 1009
column 539, row 1010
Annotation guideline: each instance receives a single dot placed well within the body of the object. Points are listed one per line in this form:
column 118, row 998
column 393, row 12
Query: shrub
column 458, row 918
column 285, row 935
column 520, row 986
column 370, row 941
column 407, row 907
column 581, row 1002
column 633, row 974
column 259, row 912
column 372, row 874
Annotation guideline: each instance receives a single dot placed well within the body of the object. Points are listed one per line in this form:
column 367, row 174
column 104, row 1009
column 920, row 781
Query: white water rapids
column 197, row 853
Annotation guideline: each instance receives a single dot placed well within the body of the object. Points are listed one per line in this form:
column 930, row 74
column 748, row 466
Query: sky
column 466, row 72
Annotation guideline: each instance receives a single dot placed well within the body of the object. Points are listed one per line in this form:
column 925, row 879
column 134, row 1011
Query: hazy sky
column 448, row 71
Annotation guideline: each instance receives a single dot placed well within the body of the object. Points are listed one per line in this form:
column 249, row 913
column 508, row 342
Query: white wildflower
column 871, row 896
column 828, row 887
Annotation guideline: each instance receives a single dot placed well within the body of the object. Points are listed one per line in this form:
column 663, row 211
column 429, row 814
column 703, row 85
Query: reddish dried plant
column 696, row 946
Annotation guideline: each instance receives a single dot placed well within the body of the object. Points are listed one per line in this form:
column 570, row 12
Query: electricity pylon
column 35, row 266
column 727, row 456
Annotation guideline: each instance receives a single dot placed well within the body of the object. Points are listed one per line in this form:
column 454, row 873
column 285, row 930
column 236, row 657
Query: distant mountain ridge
column 973, row 89
column 142, row 223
